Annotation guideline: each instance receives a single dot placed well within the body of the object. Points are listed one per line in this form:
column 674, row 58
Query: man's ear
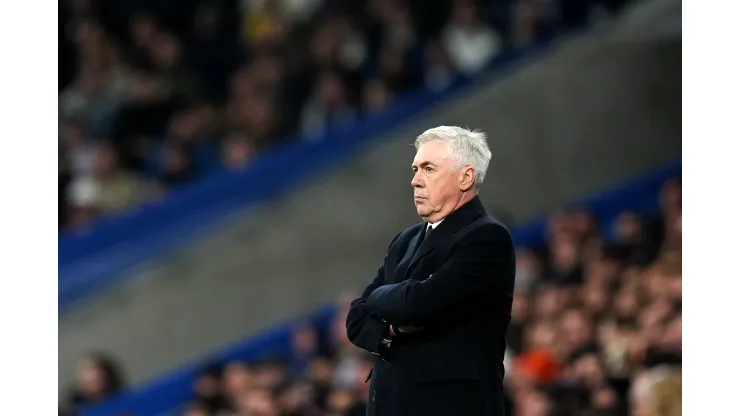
column 467, row 178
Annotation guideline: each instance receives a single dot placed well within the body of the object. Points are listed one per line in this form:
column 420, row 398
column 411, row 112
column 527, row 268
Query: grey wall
column 594, row 110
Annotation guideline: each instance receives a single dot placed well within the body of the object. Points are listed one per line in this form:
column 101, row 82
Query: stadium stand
column 165, row 105
column 157, row 94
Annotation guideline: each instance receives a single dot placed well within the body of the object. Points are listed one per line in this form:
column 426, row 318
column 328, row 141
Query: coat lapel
column 400, row 270
column 444, row 231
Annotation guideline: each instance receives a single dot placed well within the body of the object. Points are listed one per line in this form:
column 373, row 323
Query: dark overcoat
column 456, row 283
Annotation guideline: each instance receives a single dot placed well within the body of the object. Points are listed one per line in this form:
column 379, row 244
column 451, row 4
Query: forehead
column 431, row 152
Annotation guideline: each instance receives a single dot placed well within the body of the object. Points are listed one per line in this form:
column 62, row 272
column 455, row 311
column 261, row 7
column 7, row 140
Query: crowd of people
column 155, row 94
column 596, row 320
column 595, row 331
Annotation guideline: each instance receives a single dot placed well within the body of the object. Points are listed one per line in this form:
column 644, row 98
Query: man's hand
column 409, row 329
column 405, row 329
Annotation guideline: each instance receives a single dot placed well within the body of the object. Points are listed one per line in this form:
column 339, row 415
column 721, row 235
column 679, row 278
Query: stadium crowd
column 157, row 93
column 595, row 331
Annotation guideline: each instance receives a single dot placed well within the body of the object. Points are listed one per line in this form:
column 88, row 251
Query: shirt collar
column 435, row 224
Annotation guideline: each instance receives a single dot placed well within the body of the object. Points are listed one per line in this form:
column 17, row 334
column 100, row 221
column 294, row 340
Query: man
column 436, row 313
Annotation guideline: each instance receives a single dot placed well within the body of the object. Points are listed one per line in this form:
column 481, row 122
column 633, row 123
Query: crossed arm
column 454, row 290
column 366, row 329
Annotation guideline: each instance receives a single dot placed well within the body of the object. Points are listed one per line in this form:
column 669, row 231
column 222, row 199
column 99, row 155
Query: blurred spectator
column 258, row 402
column 98, row 378
column 305, row 345
column 197, row 409
column 297, row 400
column 470, row 43
column 533, row 20
column 538, row 365
column 352, row 48
column 80, row 150
column 118, row 189
column 167, row 62
column 103, row 189
column 439, row 70
column 657, row 392
column 209, row 390
column 395, row 71
column 565, row 260
column 266, row 27
column 328, row 105
column 376, row 96
column 237, row 151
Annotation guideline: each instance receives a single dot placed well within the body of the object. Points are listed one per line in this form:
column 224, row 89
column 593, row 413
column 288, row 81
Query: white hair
column 467, row 148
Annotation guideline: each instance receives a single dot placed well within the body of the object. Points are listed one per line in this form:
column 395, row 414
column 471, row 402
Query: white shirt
column 435, row 224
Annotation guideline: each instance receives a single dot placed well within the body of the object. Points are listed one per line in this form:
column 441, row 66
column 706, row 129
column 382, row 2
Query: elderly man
column 436, row 313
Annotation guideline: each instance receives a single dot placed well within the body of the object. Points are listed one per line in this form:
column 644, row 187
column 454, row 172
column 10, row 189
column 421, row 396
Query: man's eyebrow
column 423, row 164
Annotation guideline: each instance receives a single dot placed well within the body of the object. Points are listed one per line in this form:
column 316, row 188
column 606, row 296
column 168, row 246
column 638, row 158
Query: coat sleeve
column 366, row 329
column 472, row 271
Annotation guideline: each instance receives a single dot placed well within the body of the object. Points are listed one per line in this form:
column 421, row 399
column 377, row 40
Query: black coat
column 458, row 284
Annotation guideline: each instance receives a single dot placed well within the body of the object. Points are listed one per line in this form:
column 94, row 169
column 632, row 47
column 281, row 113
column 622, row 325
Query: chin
column 422, row 211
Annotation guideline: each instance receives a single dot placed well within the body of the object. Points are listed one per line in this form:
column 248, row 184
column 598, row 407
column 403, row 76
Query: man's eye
column 429, row 169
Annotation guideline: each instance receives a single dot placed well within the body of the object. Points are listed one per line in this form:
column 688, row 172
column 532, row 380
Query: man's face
column 436, row 183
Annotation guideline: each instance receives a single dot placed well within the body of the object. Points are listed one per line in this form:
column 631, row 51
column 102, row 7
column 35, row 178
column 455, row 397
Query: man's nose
column 416, row 181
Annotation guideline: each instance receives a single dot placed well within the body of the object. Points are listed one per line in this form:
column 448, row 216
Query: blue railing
column 166, row 394
column 94, row 259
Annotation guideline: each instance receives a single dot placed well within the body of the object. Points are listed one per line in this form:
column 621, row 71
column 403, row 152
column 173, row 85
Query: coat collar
column 451, row 224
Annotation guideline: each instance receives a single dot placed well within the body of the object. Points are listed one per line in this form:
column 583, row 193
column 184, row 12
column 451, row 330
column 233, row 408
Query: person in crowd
column 99, row 377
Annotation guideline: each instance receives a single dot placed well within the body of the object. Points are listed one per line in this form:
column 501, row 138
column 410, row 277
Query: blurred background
column 232, row 171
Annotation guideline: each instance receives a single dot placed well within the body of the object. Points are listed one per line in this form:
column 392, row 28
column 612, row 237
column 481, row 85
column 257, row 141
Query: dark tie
column 427, row 232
